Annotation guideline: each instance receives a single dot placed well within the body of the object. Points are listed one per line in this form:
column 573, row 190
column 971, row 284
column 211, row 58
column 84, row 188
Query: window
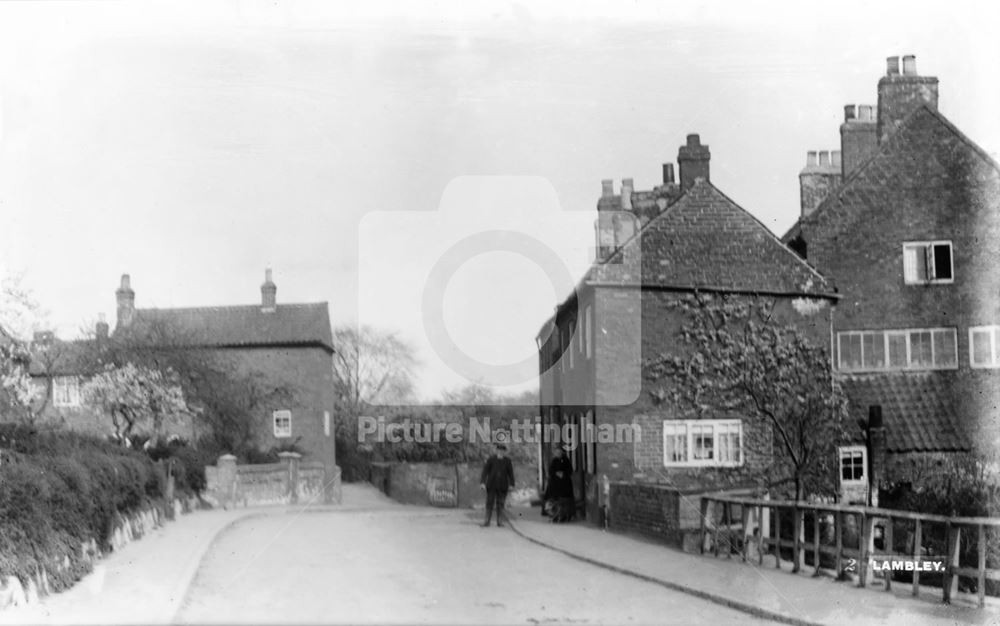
column 66, row 391
column 875, row 350
column 927, row 262
column 984, row 346
column 852, row 464
column 282, row 423
column 700, row 443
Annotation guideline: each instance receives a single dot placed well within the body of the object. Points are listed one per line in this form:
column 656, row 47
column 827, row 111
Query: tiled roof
column 235, row 326
column 706, row 241
column 64, row 358
column 926, row 146
column 919, row 409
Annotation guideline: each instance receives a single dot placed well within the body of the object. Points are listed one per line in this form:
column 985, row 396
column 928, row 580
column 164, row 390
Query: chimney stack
column 901, row 94
column 818, row 178
column 126, row 302
column 626, row 194
column 668, row 173
column 858, row 138
column 693, row 160
column 101, row 328
column 268, row 293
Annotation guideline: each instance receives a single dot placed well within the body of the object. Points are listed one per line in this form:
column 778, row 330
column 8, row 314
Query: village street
column 387, row 563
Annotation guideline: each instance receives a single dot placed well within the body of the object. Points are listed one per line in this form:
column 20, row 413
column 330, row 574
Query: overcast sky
column 194, row 144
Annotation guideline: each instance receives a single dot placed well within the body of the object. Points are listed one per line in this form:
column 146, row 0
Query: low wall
column 447, row 484
column 291, row 481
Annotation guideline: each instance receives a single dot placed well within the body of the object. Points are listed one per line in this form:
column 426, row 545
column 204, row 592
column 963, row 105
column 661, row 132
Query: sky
column 354, row 147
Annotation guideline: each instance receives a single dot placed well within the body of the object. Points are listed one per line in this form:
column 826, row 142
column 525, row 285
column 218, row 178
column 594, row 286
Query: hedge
column 59, row 490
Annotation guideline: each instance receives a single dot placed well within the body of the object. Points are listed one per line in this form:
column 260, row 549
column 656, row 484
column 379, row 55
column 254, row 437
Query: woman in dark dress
column 559, row 498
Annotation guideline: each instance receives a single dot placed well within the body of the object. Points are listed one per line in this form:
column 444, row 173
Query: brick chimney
column 899, row 94
column 268, row 293
column 126, row 302
column 818, row 178
column 692, row 159
column 858, row 138
column 101, row 328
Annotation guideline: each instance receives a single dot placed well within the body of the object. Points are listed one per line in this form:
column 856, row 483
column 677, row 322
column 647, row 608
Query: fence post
column 981, row 586
column 838, row 531
column 704, row 523
column 887, row 538
column 917, row 545
column 760, row 535
column 864, row 541
column 949, row 586
column 715, row 527
column 798, row 527
column 816, row 541
column 746, row 526
column 777, row 537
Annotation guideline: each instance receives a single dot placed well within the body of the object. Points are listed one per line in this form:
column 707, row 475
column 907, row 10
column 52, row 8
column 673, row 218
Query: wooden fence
column 850, row 538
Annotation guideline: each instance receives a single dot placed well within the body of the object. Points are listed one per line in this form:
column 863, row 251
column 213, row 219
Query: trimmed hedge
column 59, row 490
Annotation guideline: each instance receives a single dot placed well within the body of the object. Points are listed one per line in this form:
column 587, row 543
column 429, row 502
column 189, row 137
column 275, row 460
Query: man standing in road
column 497, row 479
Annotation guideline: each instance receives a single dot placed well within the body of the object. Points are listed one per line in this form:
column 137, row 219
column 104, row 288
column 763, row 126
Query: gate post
column 291, row 461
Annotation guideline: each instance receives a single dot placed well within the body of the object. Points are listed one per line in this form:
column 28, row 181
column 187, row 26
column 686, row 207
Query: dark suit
column 498, row 477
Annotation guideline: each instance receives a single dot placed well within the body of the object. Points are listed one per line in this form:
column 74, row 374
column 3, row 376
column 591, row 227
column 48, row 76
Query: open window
column 926, row 262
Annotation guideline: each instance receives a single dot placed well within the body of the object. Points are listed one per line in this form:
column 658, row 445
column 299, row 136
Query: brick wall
column 409, row 482
column 649, row 510
column 292, row 481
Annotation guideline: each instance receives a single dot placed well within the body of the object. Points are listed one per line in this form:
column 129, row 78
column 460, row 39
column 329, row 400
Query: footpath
column 757, row 590
column 143, row 583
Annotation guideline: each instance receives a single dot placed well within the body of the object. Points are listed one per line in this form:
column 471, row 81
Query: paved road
column 387, row 563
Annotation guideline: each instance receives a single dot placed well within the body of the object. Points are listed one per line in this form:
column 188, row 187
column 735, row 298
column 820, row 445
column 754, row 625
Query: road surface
column 386, row 563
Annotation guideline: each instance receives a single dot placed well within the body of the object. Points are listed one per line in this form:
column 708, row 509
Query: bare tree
column 371, row 367
column 732, row 356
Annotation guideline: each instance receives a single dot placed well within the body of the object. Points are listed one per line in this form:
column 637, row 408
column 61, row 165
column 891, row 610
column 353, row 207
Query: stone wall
column 448, row 484
column 290, row 481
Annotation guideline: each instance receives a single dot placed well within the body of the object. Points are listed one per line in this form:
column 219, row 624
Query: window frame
column 281, row 414
column 72, row 391
column 670, row 425
column 929, row 261
column 994, row 331
column 886, row 351
column 852, row 450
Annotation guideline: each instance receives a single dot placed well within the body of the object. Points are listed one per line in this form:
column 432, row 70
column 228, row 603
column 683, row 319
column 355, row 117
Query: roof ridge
column 223, row 307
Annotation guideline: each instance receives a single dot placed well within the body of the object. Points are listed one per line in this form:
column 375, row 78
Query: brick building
column 654, row 248
column 282, row 346
column 909, row 230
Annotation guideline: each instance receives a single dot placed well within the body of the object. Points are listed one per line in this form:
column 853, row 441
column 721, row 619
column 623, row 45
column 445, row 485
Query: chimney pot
column 126, row 301
column 824, row 158
column 607, row 188
column 811, row 158
column 693, row 140
column 626, row 194
column 668, row 173
column 909, row 65
column 850, row 112
column 865, row 112
column 268, row 293
column 835, row 158
column 892, row 66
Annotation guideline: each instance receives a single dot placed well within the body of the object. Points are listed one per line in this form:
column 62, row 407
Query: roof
column 705, row 241
column 64, row 358
column 234, row 326
column 919, row 409
column 925, row 146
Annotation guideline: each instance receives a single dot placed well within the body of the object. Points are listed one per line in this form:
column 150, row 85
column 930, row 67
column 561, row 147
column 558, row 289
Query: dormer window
column 926, row 262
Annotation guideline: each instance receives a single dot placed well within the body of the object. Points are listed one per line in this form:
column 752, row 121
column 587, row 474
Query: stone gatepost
column 227, row 479
column 291, row 461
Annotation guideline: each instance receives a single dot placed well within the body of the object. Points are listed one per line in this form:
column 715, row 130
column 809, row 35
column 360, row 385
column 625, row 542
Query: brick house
column 654, row 248
column 286, row 346
column 907, row 224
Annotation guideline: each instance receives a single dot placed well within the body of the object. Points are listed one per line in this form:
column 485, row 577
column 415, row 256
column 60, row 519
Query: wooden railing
column 735, row 525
